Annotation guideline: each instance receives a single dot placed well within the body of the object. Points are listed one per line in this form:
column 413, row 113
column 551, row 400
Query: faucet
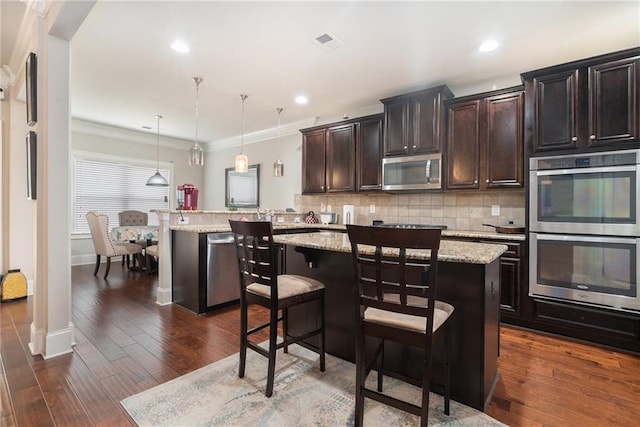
column 258, row 217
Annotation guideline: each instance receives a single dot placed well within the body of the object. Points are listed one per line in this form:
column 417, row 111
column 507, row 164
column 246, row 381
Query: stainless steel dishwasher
column 223, row 281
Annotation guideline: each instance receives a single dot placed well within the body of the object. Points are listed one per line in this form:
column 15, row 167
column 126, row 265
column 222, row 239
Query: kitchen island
column 468, row 278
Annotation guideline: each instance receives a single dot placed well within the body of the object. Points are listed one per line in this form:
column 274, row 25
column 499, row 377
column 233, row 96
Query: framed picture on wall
column 31, row 84
column 32, row 164
column 242, row 189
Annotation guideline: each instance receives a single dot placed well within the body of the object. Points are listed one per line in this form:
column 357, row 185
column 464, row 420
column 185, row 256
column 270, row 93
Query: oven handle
column 594, row 239
column 632, row 168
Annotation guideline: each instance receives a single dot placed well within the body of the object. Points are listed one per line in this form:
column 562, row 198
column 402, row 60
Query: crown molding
column 115, row 132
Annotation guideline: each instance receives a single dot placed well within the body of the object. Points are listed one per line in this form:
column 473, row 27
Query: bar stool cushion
column 441, row 313
column 288, row 285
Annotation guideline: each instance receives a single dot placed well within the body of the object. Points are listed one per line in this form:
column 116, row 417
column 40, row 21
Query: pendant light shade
column 278, row 166
column 157, row 180
column 242, row 161
column 196, row 155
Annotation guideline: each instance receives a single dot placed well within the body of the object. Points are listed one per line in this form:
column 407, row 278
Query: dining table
column 135, row 233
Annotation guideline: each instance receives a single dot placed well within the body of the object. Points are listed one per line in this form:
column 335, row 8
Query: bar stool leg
column 285, row 327
column 243, row 336
column 273, row 336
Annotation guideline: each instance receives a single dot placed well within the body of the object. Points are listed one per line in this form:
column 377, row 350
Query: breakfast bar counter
column 468, row 278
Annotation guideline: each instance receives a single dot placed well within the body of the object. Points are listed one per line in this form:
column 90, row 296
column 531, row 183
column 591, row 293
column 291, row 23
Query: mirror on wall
column 242, row 189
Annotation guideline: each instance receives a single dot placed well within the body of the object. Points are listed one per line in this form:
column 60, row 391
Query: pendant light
column 242, row 161
column 156, row 179
column 196, row 155
column 278, row 166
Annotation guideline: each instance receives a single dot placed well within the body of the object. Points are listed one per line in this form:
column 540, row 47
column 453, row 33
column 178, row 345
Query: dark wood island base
column 472, row 288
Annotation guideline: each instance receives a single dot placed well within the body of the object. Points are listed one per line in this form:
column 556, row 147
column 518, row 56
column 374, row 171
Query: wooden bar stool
column 396, row 301
column 261, row 284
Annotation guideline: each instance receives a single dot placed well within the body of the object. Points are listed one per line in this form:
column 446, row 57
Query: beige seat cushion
column 288, row 285
column 441, row 313
column 127, row 248
column 151, row 250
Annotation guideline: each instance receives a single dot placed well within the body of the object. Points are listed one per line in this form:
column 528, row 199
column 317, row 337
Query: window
column 111, row 184
column 242, row 188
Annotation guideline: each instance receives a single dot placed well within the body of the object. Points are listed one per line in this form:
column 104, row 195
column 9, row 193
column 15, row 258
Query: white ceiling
column 124, row 73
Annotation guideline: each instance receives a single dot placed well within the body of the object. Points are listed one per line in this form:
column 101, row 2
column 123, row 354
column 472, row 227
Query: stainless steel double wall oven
column 585, row 228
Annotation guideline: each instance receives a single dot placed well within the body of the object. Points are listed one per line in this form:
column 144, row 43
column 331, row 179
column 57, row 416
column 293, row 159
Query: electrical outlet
column 495, row 210
column 184, row 220
column 372, row 209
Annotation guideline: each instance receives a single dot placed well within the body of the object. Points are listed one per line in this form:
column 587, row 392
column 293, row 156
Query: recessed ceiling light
column 180, row 46
column 488, row 46
column 301, row 99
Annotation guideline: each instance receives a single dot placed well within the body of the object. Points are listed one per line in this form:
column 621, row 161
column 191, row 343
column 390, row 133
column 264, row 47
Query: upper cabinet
column 484, row 140
column 369, row 153
column 413, row 122
column 584, row 105
column 329, row 156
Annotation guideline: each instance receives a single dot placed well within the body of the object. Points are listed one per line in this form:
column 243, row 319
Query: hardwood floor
column 126, row 343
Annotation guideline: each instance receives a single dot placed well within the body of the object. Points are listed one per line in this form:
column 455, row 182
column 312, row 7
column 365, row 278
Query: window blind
column 110, row 186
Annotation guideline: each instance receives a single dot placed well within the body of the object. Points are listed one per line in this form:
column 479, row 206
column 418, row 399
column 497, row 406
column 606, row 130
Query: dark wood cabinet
column 328, row 159
column 413, row 121
column 584, row 105
column 313, row 161
column 369, row 153
column 512, row 274
column 341, row 152
column 343, row 157
column 484, row 140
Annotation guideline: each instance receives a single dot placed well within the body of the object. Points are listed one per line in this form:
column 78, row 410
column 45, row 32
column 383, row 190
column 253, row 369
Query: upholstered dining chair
column 261, row 284
column 104, row 246
column 395, row 291
column 133, row 217
column 151, row 254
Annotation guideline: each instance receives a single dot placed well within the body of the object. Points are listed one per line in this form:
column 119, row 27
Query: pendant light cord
column 243, row 97
column 158, row 117
column 279, row 110
column 197, row 80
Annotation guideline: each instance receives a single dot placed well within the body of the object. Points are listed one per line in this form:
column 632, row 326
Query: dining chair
column 261, row 284
column 151, row 253
column 133, row 217
column 104, row 246
column 395, row 301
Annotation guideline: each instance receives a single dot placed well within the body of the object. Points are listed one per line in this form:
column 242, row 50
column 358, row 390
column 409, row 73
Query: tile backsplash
column 458, row 211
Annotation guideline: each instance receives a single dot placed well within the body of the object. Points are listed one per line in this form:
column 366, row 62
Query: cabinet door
column 313, row 161
column 395, row 129
column 509, row 284
column 423, row 136
column 341, row 153
column 369, row 155
column 463, row 144
column 503, row 142
column 556, row 103
column 613, row 102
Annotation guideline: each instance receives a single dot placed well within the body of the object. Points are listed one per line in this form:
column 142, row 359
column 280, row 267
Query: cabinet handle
column 475, row 182
column 405, row 147
column 592, row 137
column 328, row 187
column 574, row 139
column 414, row 147
column 322, row 187
column 487, row 181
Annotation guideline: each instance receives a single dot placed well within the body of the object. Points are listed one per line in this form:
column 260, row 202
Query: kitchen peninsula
column 468, row 279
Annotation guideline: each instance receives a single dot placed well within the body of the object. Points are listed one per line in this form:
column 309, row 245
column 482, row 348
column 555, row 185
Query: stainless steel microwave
column 422, row 172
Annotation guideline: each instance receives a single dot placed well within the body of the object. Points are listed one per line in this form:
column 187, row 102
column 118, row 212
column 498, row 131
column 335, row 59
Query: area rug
column 303, row 396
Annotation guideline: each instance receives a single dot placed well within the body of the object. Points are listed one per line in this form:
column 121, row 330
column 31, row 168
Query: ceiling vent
column 329, row 41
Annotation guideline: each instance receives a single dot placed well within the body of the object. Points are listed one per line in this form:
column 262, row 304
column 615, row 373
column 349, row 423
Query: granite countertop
column 450, row 250
column 219, row 228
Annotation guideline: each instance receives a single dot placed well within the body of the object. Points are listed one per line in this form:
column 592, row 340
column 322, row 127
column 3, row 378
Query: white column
column 52, row 332
column 164, row 294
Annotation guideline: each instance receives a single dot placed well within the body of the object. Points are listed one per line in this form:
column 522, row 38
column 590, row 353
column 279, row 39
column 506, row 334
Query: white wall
column 21, row 212
column 275, row 193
